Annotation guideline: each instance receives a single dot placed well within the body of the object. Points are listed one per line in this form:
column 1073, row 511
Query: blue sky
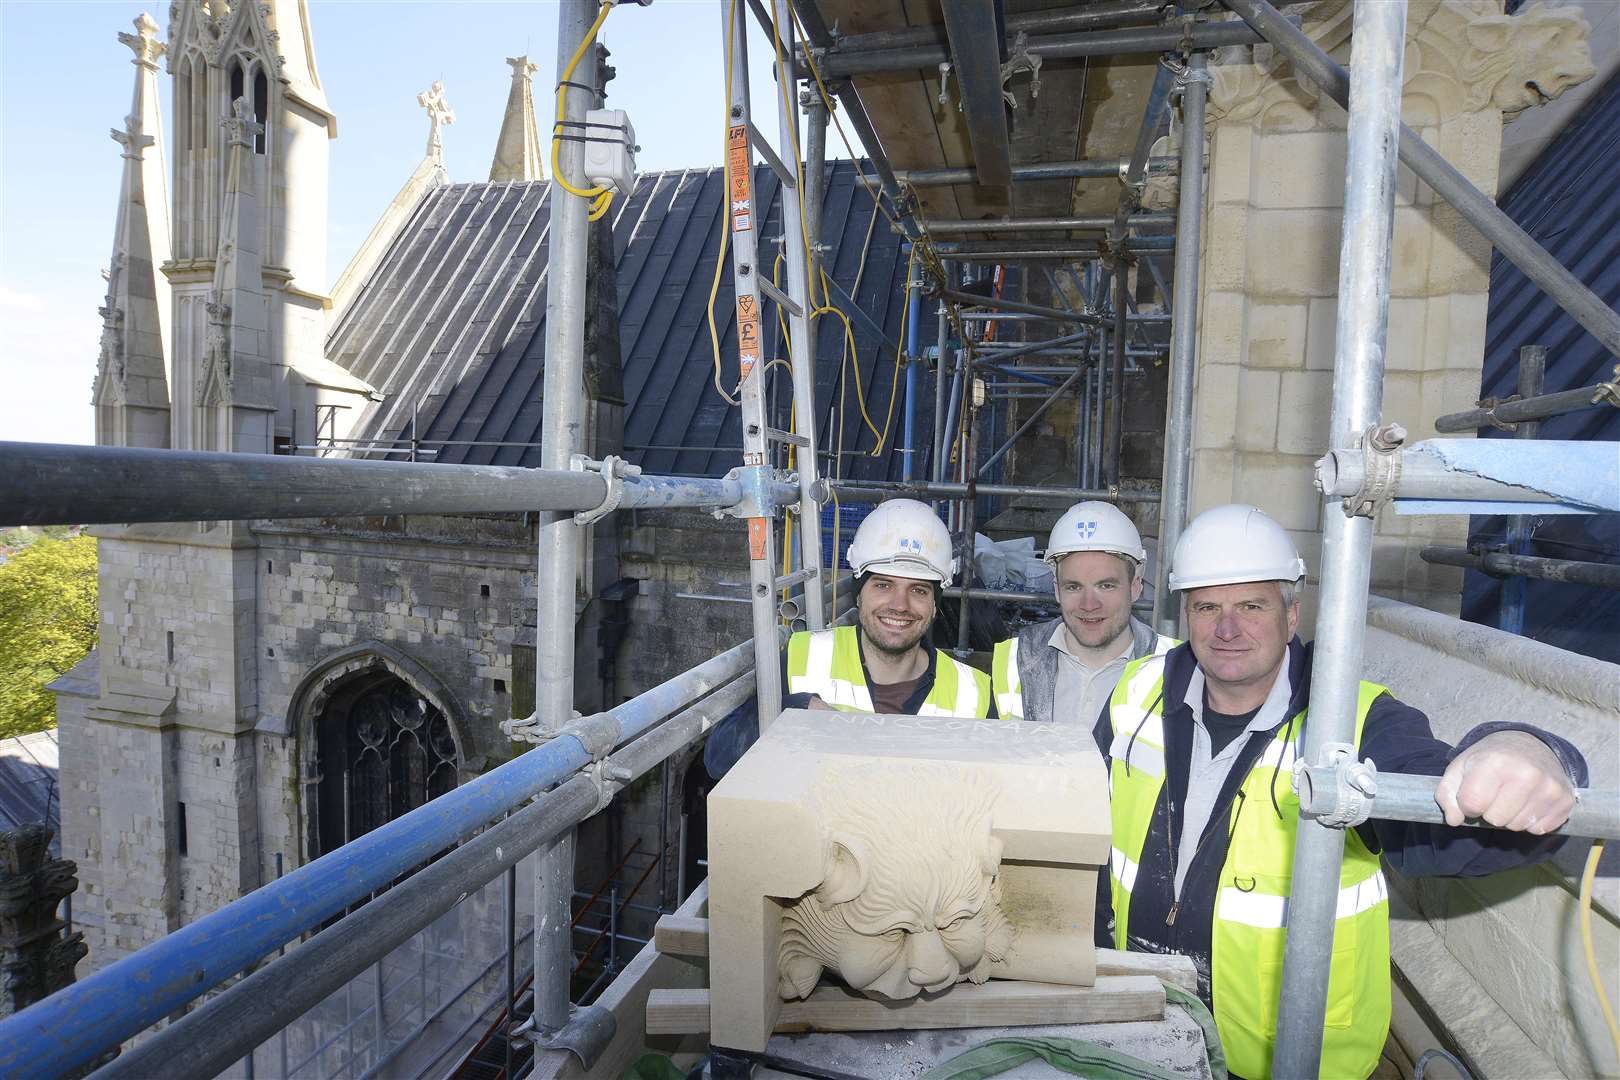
column 65, row 81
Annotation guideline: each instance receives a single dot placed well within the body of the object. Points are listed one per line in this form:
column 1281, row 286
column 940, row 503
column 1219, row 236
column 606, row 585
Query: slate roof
column 450, row 328
column 28, row 784
column 1569, row 200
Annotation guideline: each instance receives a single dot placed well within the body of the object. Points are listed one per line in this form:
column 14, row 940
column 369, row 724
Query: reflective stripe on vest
column 1005, row 681
column 827, row 663
column 1250, row 918
column 1009, row 684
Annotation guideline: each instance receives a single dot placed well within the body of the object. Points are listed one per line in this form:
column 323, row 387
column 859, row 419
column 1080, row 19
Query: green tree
column 47, row 624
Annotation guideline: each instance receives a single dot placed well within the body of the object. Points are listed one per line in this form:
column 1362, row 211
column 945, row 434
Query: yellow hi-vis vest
column 827, row 663
column 1008, row 685
column 1251, row 908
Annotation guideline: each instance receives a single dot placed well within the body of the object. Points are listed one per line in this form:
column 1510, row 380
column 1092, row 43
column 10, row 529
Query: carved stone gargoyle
column 909, row 901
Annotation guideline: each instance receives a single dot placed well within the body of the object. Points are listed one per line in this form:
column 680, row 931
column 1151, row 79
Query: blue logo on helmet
column 1086, row 529
column 908, row 544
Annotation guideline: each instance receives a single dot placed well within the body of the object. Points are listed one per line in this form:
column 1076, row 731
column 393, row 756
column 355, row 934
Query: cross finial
column 240, row 127
column 144, row 43
column 439, row 112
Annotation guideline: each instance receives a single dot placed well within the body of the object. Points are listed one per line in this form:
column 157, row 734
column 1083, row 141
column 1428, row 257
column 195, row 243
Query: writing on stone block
column 909, row 899
column 929, row 737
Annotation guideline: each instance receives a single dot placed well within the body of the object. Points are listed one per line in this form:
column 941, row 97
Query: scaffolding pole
column 799, row 244
column 997, row 303
column 1045, row 170
column 561, row 436
column 1358, row 380
column 1514, row 566
column 936, row 470
column 1184, row 343
column 1518, row 410
column 839, row 64
column 1116, row 378
column 1532, row 375
column 1098, row 15
column 879, row 490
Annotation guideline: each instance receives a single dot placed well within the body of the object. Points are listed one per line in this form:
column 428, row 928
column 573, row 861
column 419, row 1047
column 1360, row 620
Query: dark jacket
column 1396, row 737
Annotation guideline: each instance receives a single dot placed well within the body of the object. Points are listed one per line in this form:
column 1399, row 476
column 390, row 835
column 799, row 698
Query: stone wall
column 1268, row 306
column 1497, row 961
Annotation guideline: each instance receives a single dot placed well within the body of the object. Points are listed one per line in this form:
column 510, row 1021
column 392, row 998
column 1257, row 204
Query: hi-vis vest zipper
column 827, row 663
column 1251, row 907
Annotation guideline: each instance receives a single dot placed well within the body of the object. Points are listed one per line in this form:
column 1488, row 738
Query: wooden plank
column 1171, row 967
column 677, row 1012
column 998, row 1003
column 679, row 935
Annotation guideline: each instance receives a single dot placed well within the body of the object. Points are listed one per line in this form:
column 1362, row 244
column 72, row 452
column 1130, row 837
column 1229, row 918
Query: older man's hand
column 1510, row 779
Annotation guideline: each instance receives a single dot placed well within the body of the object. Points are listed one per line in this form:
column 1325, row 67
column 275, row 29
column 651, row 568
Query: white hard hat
column 905, row 538
column 1234, row 543
column 1094, row 526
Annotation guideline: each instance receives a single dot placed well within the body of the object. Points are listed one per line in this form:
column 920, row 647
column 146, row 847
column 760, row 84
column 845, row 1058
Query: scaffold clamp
column 1338, row 791
column 1380, row 447
column 613, row 470
column 755, row 498
column 586, row 1034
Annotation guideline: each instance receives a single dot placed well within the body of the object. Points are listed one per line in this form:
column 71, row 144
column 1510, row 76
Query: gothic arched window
column 383, row 750
column 261, row 110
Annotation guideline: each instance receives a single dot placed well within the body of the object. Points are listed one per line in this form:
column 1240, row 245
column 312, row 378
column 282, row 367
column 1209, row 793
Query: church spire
column 131, row 392
column 236, row 393
column 517, row 152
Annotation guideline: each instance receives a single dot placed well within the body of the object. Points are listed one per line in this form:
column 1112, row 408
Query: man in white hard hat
column 902, row 558
column 1201, row 742
column 1063, row 670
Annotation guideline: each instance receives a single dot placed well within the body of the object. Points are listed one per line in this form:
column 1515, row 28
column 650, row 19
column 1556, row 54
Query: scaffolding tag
column 742, row 181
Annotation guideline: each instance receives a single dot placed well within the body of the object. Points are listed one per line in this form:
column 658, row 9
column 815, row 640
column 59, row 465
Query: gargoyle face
column 908, row 901
column 1531, row 57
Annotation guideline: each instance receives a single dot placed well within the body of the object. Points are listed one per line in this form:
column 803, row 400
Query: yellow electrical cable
column 899, row 350
column 1588, row 879
column 725, row 216
column 849, row 348
column 798, row 168
column 600, row 196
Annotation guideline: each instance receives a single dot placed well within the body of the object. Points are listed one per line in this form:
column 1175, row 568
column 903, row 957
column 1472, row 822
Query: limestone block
column 1276, row 335
column 1472, row 143
column 1300, row 170
column 1231, row 152
column 1409, row 253
column 904, row 854
column 1403, row 399
column 1295, row 252
column 1304, row 406
column 1226, row 248
column 1215, row 399
column 1221, row 319
column 1321, row 326
column 1461, row 259
column 1454, row 334
column 1214, row 480
column 1406, row 341
column 1255, row 419
column 1284, row 487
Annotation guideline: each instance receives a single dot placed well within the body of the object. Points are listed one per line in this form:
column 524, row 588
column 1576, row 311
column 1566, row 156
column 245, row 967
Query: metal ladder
column 743, row 138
